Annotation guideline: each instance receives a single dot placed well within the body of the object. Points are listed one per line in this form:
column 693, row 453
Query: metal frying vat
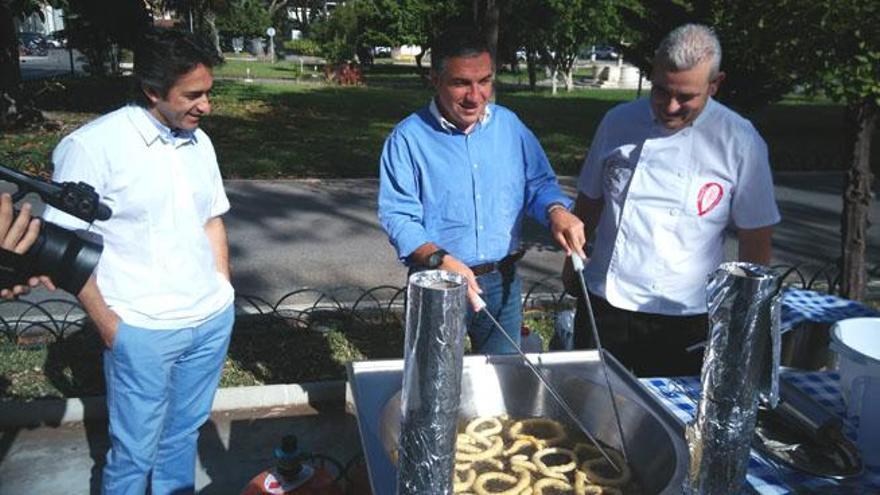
column 493, row 385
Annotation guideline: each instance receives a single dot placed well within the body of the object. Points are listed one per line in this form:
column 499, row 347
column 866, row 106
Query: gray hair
column 687, row 46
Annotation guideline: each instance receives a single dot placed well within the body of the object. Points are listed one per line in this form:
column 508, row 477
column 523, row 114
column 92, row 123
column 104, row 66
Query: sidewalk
column 234, row 446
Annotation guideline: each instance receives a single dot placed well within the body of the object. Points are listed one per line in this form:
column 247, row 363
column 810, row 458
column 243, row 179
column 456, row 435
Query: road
column 56, row 63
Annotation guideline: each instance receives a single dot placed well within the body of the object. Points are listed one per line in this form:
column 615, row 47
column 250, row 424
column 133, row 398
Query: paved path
column 233, row 448
column 291, row 234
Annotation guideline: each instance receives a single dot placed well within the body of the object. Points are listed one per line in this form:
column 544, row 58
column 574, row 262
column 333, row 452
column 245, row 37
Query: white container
column 857, row 342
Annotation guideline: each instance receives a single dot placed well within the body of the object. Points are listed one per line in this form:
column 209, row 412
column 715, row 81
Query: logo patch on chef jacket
column 709, row 197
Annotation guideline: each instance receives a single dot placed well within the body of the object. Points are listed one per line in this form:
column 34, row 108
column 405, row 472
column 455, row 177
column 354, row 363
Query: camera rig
column 76, row 198
column 68, row 257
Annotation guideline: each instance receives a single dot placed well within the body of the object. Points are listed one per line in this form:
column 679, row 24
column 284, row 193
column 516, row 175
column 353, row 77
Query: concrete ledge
column 55, row 412
column 228, row 399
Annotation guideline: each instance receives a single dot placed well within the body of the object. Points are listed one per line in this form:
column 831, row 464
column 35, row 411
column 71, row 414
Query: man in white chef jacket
column 665, row 176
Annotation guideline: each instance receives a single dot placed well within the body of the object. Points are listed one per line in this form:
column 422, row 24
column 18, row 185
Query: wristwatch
column 435, row 259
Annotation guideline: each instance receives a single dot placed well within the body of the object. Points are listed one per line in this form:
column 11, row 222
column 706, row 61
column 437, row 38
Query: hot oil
column 571, row 450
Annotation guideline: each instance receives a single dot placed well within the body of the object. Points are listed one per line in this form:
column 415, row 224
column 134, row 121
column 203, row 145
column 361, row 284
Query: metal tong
column 552, row 390
column 578, row 265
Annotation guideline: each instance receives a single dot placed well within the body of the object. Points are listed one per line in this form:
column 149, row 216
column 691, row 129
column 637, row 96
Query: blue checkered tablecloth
column 800, row 305
column 680, row 395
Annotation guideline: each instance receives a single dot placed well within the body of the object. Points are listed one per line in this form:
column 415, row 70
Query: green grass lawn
column 264, row 350
column 281, row 69
column 281, row 129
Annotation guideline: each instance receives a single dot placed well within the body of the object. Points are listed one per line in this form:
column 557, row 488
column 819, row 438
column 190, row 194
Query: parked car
column 604, row 52
column 56, row 39
column 33, row 44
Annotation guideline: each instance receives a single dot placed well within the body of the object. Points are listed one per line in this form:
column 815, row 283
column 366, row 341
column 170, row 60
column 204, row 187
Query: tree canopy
column 244, row 18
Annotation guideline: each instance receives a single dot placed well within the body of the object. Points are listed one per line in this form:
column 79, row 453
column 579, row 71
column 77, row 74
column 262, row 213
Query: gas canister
column 294, row 473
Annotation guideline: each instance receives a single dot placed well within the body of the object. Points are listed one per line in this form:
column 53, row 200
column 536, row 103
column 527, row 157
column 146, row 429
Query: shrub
column 302, row 47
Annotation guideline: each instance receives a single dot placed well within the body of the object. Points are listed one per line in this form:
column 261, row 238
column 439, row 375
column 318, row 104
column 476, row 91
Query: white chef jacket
column 668, row 197
column 157, row 270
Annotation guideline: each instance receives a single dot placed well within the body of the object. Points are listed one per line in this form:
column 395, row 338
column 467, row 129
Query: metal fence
column 24, row 322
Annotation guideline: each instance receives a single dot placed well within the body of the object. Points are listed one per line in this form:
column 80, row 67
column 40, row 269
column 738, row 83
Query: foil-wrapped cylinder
column 433, row 351
column 740, row 366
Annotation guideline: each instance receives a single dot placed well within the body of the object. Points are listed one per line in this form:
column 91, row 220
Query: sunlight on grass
column 284, row 130
column 281, row 69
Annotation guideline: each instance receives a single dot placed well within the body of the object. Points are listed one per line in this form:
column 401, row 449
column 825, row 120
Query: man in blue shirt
column 456, row 178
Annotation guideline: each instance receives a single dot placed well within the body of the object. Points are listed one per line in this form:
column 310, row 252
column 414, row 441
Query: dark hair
column 162, row 56
column 458, row 42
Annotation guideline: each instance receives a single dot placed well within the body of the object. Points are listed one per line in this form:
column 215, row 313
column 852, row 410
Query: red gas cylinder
column 293, row 475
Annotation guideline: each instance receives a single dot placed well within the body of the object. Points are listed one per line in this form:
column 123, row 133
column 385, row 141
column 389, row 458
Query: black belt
column 504, row 265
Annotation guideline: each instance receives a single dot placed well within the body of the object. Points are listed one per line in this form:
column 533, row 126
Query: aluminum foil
column 433, row 351
column 740, row 367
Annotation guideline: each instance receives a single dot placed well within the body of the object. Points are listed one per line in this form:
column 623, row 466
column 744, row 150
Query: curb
column 55, row 412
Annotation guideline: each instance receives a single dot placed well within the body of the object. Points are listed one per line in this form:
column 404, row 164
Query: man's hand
column 107, row 329
column 18, row 236
column 451, row 264
column 105, row 319
column 568, row 230
column 216, row 232
column 588, row 210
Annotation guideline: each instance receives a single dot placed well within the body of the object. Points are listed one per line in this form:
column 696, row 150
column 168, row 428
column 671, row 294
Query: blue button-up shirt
column 464, row 192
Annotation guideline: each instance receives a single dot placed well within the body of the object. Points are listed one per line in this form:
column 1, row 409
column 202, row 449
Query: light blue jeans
column 160, row 387
column 502, row 293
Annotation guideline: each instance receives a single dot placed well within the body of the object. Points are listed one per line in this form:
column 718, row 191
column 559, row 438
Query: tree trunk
column 569, row 79
column 532, row 66
column 274, row 6
column 857, row 200
column 486, row 17
column 16, row 109
column 209, row 18
column 419, row 57
column 554, row 78
column 10, row 71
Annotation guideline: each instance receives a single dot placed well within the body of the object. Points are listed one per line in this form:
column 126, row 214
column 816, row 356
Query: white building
column 53, row 20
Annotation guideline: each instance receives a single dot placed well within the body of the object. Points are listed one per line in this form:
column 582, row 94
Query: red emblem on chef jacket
column 709, row 197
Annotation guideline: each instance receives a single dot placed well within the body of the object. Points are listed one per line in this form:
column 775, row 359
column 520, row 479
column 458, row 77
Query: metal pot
column 503, row 385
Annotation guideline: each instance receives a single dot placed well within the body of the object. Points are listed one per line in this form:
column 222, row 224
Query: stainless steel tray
column 494, row 385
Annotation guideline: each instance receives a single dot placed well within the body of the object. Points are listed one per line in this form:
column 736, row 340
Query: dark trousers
column 647, row 344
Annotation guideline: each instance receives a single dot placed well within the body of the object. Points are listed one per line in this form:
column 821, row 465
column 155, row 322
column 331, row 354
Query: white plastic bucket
column 857, row 342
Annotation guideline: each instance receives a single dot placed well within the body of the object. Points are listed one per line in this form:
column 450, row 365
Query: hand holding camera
column 33, row 252
column 17, row 234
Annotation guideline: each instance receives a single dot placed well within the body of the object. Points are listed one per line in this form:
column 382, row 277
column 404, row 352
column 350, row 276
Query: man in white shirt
column 664, row 178
column 160, row 297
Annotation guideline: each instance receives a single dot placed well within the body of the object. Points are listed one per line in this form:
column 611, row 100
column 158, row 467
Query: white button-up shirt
column 668, row 197
column 157, row 269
